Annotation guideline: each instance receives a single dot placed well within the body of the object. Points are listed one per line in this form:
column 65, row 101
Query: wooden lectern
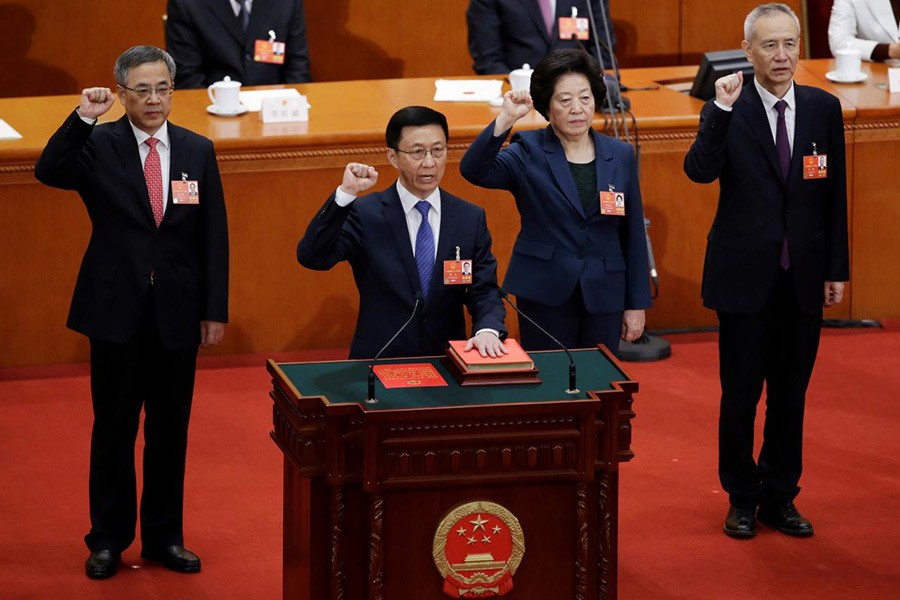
column 366, row 486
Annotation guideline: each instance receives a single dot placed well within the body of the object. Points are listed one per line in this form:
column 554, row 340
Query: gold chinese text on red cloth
column 477, row 548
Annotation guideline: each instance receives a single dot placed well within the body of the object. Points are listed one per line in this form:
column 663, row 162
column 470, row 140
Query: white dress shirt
column 236, row 6
column 164, row 151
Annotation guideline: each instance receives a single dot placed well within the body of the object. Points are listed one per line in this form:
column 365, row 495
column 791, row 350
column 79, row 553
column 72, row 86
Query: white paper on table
column 894, row 80
column 252, row 99
column 7, row 132
column 467, row 90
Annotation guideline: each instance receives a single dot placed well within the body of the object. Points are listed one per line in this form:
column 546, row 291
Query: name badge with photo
column 185, row 192
column 457, row 272
column 573, row 28
column 815, row 166
column 268, row 51
column 612, row 204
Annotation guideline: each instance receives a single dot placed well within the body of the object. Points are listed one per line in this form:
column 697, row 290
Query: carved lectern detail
column 376, row 548
column 605, row 526
column 337, row 546
column 581, row 551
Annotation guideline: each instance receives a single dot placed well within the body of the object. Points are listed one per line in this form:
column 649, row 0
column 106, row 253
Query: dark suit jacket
column 371, row 234
column 188, row 254
column 207, row 42
column 559, row 245
column 505, row 34
column 757, row 206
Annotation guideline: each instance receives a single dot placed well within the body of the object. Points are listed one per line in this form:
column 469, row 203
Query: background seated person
column 210, row 39
column 870, row 26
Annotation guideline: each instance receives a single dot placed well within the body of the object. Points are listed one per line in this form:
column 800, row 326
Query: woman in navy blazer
column 577, row 269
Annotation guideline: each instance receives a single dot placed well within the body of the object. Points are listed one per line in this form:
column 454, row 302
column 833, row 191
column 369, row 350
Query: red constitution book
column 409, row 375
column 516, row 360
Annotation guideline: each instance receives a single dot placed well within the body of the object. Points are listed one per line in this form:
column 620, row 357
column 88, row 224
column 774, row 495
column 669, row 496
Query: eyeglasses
column 145, row 91
column 420, row 153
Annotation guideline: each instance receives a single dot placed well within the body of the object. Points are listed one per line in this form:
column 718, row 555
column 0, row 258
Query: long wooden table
column 277, row 175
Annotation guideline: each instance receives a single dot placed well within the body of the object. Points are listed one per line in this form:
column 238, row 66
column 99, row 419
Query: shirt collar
column 769, row 99
column 162, row 134
column 409, row 201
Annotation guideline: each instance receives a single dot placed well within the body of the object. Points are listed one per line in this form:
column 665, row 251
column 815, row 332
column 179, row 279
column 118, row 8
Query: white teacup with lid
column 520, row 79
column 848, row 61
column 225, row 94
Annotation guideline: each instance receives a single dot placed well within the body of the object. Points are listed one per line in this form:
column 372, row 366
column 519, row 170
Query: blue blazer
column 758, row 206
column 559, row 245
column 187, row 254
column 505, row 34
column 372, row 235
column 207, row 42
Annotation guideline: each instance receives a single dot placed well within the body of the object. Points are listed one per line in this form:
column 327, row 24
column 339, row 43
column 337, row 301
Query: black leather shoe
column 102, row 564
column 176, row 558
column 740, row 522
column 784, row 517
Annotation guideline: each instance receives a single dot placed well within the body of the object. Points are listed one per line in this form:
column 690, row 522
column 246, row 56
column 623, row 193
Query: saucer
column 842, row 78
column 226, row 112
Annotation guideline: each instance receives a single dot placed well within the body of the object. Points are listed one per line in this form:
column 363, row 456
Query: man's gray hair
column 139, row 55
column 767, row 10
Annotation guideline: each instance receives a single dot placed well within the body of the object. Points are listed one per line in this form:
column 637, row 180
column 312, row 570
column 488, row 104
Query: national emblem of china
column 477, row 548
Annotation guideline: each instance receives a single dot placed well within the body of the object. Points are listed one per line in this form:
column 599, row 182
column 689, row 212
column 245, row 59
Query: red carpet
column 671, row 545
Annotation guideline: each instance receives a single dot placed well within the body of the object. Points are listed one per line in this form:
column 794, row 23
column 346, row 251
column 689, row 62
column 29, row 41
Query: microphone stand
column 370, row 396
column 646, row 348
column 573, row 387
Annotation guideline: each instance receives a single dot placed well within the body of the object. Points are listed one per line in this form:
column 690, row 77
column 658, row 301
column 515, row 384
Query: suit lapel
column 392, row 210
column 446, row 237
column 222, row 11
column 559, row 166
column 755, row 114
column 603, row 162
column 259, row 18
column 803, row 121
column 126, row 147
column 884, row 14
column 534, row 10
column 179, row 155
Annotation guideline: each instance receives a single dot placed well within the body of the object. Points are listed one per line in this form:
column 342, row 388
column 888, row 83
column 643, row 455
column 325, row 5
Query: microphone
column 370, row 397
column 573, row 388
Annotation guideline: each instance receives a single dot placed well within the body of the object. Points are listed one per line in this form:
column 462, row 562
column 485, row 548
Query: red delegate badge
column 815, row 166
column 185, row 192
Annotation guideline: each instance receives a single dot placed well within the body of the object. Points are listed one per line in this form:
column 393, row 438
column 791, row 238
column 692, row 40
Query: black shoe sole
column 786, row 531
column 172, row 566
column 740, row 535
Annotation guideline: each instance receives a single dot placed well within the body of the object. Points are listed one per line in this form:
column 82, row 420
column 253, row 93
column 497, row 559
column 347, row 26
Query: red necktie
column 153, row 175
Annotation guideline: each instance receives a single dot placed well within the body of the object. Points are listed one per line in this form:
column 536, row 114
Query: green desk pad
column 346, row 382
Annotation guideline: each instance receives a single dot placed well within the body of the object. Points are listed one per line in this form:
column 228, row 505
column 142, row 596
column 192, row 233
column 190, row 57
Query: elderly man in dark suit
column 777, row 253
column 505, row 34
column 397, row 242
column 210, row 39
column 153, row 286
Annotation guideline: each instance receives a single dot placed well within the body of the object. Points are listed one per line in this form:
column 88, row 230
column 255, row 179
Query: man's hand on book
column 487, row 343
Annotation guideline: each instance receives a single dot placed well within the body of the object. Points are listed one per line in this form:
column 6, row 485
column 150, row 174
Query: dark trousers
column 570, row 323
column 124, row 378
column 776, row 346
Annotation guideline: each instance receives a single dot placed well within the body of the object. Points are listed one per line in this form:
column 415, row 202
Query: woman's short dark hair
column 413, row 116
column 559, row 63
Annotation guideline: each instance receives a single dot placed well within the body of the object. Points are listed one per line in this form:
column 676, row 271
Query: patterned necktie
column 153, row 176
column 424, row 248
column 783, row 148
column 547, row 13
column 244, row 14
